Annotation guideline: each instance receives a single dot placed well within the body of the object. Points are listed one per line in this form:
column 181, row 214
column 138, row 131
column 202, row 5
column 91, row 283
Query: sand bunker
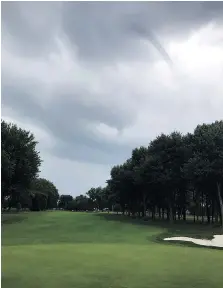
column 217, row 241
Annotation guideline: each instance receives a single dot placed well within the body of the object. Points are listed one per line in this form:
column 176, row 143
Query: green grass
column 84, row 250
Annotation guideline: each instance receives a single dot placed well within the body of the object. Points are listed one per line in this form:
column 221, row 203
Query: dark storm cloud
column 101, row 29
column 103, row 32
column 107, row 26
column 66, row 121
column 93, row 151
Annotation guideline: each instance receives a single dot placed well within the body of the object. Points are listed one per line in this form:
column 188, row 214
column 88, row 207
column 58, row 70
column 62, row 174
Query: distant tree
column 39, row 201
column 98, row 196
column 64, row 200
column 117, row 208
column 44, row 193
column 72, row 205
column 81, row 203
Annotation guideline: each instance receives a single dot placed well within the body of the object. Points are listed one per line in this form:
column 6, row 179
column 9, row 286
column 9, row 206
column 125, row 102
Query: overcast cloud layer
column 94, row 80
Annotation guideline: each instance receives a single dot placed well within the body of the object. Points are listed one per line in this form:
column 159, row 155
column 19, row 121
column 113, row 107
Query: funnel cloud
column 92, row 80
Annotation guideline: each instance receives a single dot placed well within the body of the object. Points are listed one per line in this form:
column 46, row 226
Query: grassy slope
column 64, row 249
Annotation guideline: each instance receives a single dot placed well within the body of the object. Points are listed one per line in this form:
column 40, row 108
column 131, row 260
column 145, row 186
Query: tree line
column 21, row 186
column 174, row 176
column 95, row 199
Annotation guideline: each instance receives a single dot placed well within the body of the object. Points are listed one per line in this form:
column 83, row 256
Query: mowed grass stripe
column 115, row 254
column 68, row 227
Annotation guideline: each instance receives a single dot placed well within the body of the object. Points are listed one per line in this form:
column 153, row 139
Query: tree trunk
column 144, row 204
column 194, row 206
column 202, row 208
column 184, row 214
column 212, row 212
column 207, row 209
column 208, row 212
column 153, row 213
column 163, row 213
column 220, row 202
column 216, row 216
column 160, row 213
column 179, row 213
column 171, row 213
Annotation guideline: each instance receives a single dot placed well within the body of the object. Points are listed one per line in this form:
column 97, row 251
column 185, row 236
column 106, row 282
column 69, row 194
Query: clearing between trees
column 89, row 250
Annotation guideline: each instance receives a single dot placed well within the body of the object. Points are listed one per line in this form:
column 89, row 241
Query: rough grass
column 84, row 250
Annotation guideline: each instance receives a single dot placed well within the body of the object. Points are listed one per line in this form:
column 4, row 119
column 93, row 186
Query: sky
column 92, row 81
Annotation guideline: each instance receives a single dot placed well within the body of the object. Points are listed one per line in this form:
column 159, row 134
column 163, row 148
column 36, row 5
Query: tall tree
column 44, row 189
column 175, row 174
column 20, row 160
column 206, row 165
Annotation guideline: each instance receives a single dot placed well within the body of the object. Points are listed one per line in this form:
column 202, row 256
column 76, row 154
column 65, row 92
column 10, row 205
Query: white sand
column 217, row 241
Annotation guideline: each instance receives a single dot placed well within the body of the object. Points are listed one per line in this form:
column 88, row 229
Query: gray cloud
column 66, row 120
column 32, row 25
column 101, row 30
column 92, row 76
column 105, row 26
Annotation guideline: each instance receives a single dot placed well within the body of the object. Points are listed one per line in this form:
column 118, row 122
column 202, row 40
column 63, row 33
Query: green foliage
column 80, row 203
column 21, row 187
column 117, row 208
column 45, row 194
column 20, row 160
column 99, row 196
column 170, row 175
column 64, row 201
